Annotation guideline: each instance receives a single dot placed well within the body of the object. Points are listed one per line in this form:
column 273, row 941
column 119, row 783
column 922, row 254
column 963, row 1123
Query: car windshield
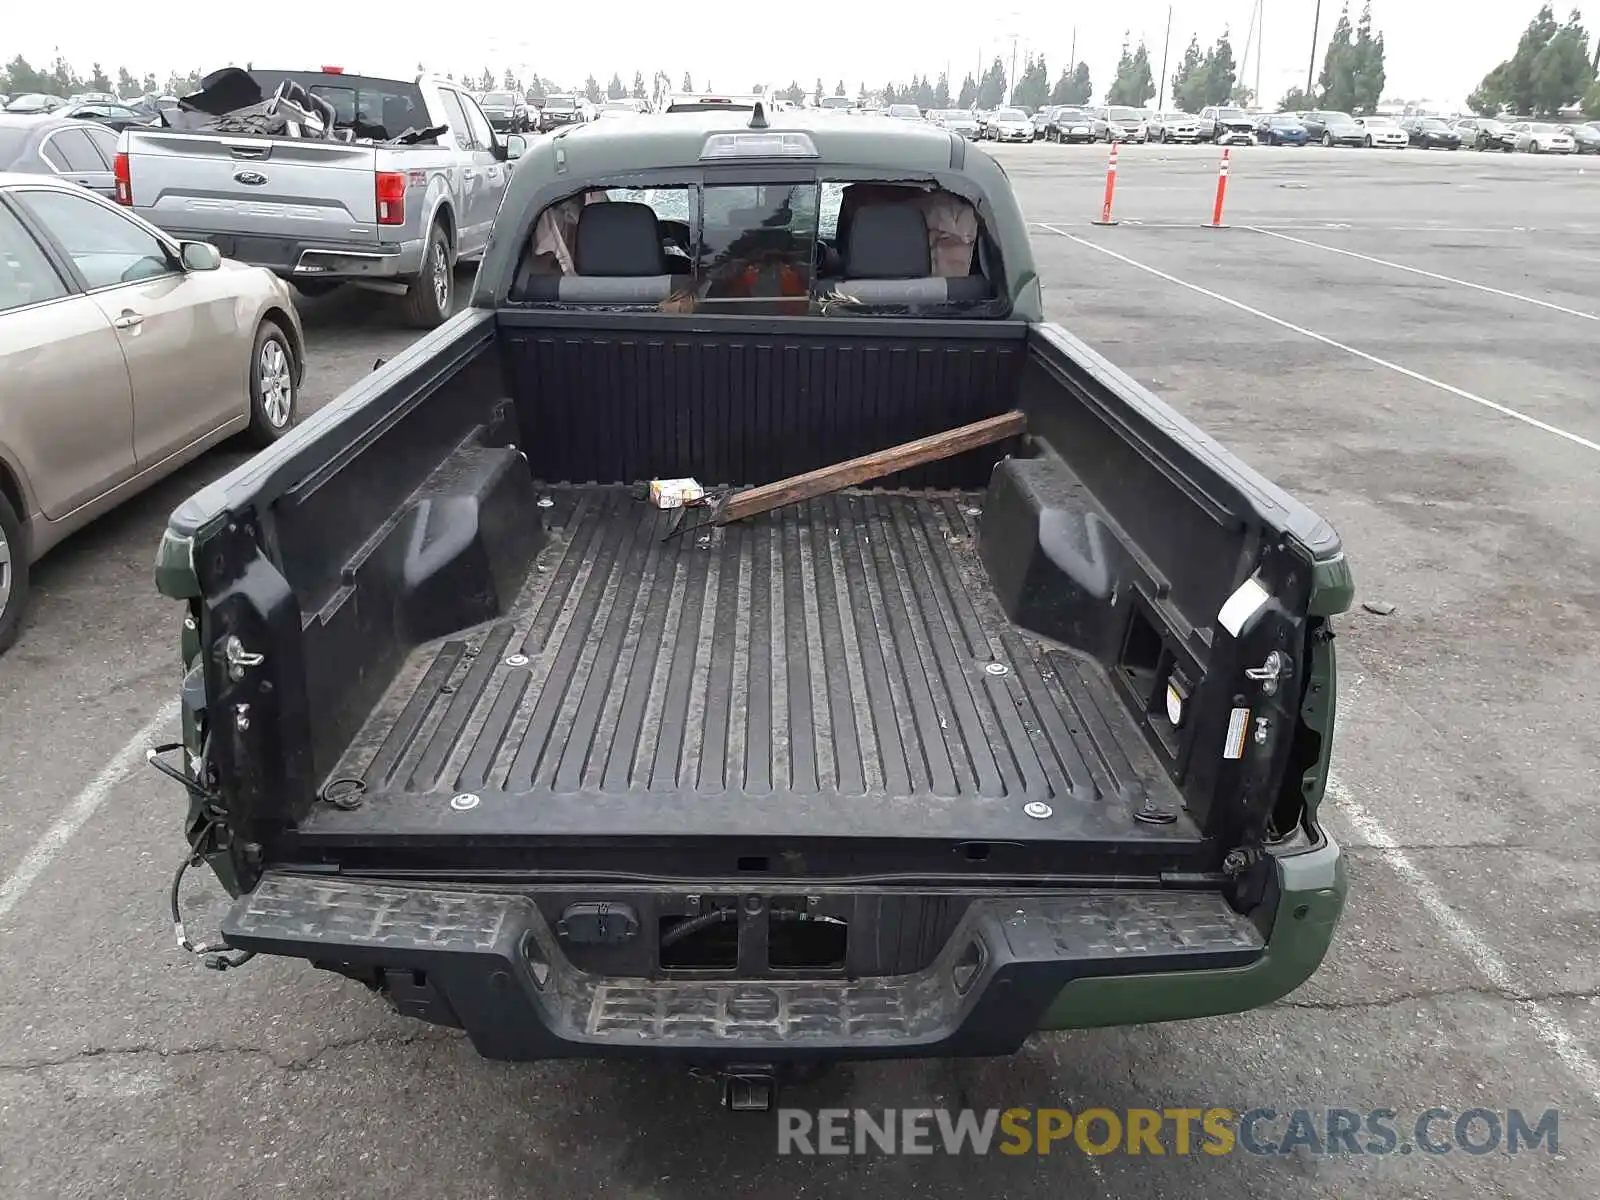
column 560, row 103
column 836, row 102
column 498, row 99
column 1434, row 123
column 1379, row 122
column 1123, row 114
column 1230, row 114
column 904, row 110
column 1011, row 114
column 1284, row 119
column 1542, row 127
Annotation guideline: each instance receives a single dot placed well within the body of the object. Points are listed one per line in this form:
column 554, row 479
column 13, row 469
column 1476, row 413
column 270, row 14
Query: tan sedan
column 123, row 355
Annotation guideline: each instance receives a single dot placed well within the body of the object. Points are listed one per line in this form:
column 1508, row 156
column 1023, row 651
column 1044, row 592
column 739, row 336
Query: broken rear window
column 769, row 248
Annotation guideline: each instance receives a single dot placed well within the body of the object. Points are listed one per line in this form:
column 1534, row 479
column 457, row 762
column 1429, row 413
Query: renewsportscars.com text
column 1167, row 1131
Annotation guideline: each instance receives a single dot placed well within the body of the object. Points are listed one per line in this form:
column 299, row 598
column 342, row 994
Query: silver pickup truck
column 359, row 207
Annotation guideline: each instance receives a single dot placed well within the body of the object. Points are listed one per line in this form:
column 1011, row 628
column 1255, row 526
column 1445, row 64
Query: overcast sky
column 1435, row 51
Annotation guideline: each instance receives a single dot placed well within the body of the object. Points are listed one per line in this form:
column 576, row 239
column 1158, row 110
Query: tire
column 13, row 575
column 1535, row 148
column 1327, row 140
column 1368, row 142
column 274, row 386
column 432, row 294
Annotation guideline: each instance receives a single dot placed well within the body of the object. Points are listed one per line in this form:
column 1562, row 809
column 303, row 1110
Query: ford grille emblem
column 250, row 178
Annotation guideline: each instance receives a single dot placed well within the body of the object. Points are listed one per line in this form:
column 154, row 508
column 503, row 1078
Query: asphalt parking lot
column 1409, row 342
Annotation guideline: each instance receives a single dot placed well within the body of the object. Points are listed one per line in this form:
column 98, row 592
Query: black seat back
column 888, row 241
column 619, row 238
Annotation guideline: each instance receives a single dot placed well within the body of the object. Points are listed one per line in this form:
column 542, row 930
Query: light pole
column 1311, row 68
column 1166, row 45
column 1261, row 26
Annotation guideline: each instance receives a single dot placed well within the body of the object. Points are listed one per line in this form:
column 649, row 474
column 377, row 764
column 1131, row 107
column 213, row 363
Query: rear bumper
column 294, row 259
column 490, row 963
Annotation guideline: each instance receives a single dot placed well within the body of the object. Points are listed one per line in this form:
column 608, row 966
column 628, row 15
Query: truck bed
column 840, row 666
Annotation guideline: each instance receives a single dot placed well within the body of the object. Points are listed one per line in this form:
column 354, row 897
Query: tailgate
column 273, row 187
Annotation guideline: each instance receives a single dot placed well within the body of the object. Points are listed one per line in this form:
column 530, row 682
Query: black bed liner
column 837, row 668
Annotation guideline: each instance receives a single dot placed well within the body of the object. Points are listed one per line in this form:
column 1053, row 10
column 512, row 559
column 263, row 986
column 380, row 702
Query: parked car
column 79, row 152
column 1382, row 133
column 1585, row 138
column 112, row 116
column 692, row 102
column 905, row 112
column 1041, row 119
column 1117, row 123
column 94, row 98
column 557, row 111
column 1007, row 125
column 397, row 213
column 34, row 102
column 1541, row 137
column 507, row 112
column 1174, row 127
column 1224, row 124
column 1281, row 129
column 1071, row 124
column 1333, row 128
column 107, row 385
column 1485, row 133
column 956, row 120
column 624, row 107
column 1431, row 133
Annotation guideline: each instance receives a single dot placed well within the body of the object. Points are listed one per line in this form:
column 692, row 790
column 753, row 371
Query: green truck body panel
column 1310, row 898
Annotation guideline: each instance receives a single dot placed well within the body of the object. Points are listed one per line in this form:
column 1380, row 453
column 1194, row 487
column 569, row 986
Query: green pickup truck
column 1028, row 737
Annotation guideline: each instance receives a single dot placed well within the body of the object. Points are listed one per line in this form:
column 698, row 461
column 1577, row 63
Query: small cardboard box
column 675, row 493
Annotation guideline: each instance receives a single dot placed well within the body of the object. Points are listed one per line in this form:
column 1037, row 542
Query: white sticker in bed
column 1250, row 597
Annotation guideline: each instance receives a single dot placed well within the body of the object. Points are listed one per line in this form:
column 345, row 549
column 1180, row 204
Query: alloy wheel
column 5, row 571
column 276, row 377
column 441, row 278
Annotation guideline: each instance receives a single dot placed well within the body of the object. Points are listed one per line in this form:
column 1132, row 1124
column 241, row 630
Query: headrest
column 619, row 238
column 887, row 241
column 397, row 115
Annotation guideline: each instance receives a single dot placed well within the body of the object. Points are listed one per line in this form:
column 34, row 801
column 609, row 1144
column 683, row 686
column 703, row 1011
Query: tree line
column 1552, row 68
column 20, row 77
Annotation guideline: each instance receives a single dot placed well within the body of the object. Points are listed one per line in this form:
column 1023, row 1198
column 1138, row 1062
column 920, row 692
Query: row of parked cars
column 101, row 107
column 519, row 112
column 1224, row 125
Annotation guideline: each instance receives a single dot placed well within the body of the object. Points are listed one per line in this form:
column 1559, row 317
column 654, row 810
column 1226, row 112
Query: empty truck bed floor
column 838, row 668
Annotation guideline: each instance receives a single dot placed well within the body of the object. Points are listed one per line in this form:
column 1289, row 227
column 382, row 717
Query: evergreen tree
column 1334, row 84
column 1189, row 81
column 968, row 96
column 992, row 90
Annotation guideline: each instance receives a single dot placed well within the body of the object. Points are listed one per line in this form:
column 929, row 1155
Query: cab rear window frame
column 995, row 268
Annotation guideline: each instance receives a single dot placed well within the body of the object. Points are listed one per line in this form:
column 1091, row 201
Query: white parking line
column 1545, row 426
column 54, row 840
column 1547, row 1023
column 1466, row 283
